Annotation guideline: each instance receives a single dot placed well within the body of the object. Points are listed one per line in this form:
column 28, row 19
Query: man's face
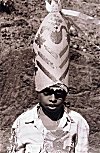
column 52, row 98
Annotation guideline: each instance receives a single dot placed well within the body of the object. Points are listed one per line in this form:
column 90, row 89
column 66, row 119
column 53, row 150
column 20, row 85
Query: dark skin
column 55, row 114
column 51, row 109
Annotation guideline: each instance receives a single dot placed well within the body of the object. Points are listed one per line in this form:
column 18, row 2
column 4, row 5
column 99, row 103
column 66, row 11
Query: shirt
column 30, row 136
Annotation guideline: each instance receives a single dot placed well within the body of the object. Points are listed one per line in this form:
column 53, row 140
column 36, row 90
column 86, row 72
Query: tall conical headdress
column 51, row 45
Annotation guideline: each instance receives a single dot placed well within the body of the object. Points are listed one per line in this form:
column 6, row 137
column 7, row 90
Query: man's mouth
column 52, row 106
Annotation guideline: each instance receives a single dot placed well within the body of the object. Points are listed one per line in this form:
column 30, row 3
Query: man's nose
column 53, row 99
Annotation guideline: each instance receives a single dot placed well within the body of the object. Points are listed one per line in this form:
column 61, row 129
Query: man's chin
column 52, row 108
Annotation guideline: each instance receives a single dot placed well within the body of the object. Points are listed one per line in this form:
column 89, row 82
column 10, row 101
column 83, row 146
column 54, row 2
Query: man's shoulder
column 78, row 118
column 26, row 116
column 75, row 114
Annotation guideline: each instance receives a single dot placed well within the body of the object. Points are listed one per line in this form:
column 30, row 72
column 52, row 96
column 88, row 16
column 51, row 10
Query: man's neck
column 53, row 114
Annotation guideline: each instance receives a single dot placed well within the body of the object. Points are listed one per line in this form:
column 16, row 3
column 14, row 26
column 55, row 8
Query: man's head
column 52, row 98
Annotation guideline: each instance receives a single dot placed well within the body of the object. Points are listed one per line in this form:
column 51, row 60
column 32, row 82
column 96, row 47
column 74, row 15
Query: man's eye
column 46, row 93
column 59, row 96
column 58, row 93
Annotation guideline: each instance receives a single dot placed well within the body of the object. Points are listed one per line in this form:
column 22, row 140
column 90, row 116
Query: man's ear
column 36, row 69
column 39, row 95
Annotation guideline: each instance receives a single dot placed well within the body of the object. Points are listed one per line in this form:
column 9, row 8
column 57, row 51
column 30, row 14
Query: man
column 50, row 127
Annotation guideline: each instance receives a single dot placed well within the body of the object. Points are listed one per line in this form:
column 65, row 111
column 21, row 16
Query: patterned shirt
column 29, row 135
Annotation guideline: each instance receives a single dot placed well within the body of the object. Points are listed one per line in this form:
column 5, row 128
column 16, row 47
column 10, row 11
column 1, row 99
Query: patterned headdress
column 51, row 45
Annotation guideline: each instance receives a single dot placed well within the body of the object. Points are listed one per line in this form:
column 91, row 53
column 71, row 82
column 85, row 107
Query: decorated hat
column 51, row 45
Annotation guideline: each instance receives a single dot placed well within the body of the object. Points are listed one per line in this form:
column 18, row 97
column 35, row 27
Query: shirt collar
column 32, row 115
column 65, row 121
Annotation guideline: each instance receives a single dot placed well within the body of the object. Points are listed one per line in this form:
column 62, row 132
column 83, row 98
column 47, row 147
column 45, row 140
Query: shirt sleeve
column 82, row 145
column 15, row 145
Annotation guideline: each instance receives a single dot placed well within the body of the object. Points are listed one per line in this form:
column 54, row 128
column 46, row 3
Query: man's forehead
column 58, row 88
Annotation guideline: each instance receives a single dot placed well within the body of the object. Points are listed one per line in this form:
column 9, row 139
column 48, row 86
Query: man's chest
column 38, row 138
